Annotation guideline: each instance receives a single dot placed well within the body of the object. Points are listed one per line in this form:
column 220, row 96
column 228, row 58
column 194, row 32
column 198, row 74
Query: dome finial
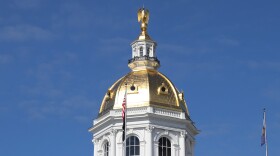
column 143, row 17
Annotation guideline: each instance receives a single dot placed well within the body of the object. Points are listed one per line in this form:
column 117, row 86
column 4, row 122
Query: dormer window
column 141, row 51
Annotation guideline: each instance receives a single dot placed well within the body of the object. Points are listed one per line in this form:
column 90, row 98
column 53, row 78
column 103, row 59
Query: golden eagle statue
column 143, row 17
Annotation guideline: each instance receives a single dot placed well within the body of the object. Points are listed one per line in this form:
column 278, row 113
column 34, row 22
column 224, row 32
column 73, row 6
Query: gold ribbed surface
column 148, row 92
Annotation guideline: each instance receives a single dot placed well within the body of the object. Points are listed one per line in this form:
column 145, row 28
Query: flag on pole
column 123, row 116
column 263, row 138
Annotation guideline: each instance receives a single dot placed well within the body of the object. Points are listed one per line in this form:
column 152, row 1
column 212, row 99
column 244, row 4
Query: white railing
column 165, row 112
column 142, row 110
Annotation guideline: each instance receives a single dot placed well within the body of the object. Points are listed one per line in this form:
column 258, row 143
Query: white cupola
column 143, row 48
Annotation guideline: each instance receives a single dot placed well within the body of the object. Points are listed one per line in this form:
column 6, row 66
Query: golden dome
column 144, row 88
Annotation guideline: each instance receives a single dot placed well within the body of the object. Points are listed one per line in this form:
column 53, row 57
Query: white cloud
column 227, row 41
column 51, row 93
column 4, row 59
column 183, row 49
column 72, row 15
column 215, row 129
column 113, row 45
column 116, row 40
column 176, row 48
column 272, row 92
column 277, row 121
column 25, row 33
column 68, row 107
column 82, row 119
column 272, row 65
column 3, row 108
column 27, row 4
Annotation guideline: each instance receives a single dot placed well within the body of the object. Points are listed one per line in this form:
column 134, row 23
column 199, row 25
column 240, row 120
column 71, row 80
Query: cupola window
column 141, row 51
column 148, row 51
column 164, row 147
column 106, row 149
column 132, row 146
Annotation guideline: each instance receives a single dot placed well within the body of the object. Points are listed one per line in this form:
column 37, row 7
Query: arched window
column 132, row 146
column 141, row 51
column 148, row 51
column 106, row 149
column 164, row 147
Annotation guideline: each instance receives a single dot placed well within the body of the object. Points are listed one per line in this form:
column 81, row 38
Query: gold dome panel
column 144, row 88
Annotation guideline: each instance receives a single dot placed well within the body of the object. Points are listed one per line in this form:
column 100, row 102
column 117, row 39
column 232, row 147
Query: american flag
column 123, row 116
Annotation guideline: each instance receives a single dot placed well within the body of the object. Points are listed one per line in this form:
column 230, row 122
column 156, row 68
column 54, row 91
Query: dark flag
column 263, row 138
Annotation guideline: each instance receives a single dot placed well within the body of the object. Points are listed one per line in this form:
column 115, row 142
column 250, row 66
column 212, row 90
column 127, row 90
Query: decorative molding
column 182, row 133
column 181, row 96
column 129, row 131
column 142, row 143
column 137, row 110
column 166, row 132
column 176, row 146
column 167, row 113
column 113, row 132
column 150, row 128
column 95, row 141
column 100, row 151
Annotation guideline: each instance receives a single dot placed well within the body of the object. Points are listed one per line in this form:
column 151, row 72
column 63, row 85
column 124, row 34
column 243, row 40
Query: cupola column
column 149, row 140
column 113, row 142
column 95, row 142
column 182, row 144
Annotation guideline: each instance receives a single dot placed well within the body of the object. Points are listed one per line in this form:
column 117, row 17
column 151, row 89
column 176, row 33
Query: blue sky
column 57, row 59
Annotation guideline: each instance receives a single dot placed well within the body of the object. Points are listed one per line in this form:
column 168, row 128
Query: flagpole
column 125, row 115
column 266, row 149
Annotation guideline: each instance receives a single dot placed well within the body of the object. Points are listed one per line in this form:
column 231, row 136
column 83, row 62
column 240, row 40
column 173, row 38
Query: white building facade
column 157, row 118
